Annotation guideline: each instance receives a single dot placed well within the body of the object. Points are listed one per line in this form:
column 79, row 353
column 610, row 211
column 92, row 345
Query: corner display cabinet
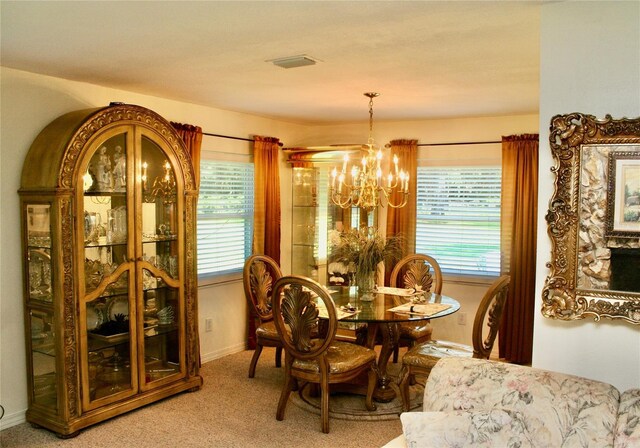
column 108, row 205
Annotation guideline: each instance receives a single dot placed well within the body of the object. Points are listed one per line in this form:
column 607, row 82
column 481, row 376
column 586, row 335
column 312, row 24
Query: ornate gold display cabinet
column 108, row 205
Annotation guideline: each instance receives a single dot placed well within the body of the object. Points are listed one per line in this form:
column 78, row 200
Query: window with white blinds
column 225, row 216
column 458, row 218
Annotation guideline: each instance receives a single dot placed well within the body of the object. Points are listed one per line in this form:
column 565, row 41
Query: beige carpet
column 231, row 410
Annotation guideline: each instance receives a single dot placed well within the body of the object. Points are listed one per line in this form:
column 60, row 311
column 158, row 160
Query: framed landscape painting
column 623, row 203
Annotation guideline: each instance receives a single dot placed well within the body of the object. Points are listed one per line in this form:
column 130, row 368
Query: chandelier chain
column 370, row 117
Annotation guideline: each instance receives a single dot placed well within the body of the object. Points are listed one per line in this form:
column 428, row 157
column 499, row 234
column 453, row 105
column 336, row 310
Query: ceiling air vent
column 294, row 61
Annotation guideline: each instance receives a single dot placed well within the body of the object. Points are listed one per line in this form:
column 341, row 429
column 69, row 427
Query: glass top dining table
column 380, row 320
column 378, row 309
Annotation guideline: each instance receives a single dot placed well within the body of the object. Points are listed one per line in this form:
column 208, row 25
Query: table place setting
column 404, row 292
column 426, row 309
column 341, row 311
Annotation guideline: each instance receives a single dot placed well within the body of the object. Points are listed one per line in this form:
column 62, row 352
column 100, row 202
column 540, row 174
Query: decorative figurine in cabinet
column 108, row 203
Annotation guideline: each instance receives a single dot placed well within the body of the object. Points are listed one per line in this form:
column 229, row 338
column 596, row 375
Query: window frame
column 224, row 156
column 468, row 156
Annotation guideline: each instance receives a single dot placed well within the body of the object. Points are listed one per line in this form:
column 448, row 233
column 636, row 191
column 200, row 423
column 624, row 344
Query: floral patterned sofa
column 472, row 402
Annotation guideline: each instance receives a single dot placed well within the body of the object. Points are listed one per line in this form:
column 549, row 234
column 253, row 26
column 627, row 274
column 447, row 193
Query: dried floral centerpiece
column 360, row 251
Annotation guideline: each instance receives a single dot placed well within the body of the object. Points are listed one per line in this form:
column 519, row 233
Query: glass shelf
column 105, row 244
column 111, row 194
column 158, row 239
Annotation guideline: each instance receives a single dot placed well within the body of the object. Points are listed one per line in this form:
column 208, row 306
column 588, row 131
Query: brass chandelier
column 368, row 189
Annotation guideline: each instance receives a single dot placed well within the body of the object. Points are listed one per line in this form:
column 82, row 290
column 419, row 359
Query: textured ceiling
column 428, row 59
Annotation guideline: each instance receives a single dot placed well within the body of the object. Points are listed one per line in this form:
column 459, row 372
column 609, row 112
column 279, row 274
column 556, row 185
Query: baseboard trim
column 206, row 357
column 14, row 419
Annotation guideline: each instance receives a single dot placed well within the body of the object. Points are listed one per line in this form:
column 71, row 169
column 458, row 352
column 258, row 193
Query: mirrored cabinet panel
column 316, row 219
column 109, row 267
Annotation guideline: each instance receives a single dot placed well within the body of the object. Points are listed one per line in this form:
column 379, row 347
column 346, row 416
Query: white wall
column 590, row 63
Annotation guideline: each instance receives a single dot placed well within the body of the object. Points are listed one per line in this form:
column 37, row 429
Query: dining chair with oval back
column 309, row 359
column 258, row 276
column 421, row 358
column 419, row 272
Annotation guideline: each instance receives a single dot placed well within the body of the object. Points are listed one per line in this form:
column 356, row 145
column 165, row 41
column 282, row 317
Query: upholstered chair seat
column 267, row 331
column 341, row 356
column 428, row 354
column 416, row 330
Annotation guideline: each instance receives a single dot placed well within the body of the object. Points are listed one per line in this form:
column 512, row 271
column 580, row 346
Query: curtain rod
column 459, row 143
column 420, row 144
column 233, row 138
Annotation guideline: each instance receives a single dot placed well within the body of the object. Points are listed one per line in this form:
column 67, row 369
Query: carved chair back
column 258, row 276
column 295, row 314
column 489, row 316
column 417, row 270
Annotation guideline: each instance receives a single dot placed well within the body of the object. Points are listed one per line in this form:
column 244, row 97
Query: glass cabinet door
column 40, row 296
column 160, row 270
column 39, row 252
column 43, row 359
column 107, row 253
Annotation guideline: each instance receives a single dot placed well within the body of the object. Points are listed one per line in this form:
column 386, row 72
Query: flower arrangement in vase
column 361, row 250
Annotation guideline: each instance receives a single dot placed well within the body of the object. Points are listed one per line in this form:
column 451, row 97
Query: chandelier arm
column 402, row 203
column 336, row 200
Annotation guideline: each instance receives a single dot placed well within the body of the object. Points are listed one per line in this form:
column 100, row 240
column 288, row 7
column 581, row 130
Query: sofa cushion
column 562, row 409
column 628, row 424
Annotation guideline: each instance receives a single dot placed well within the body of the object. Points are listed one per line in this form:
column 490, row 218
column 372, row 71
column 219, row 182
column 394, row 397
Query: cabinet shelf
column 105, row 193
column 105, row 244
column 99, row 341
column 38, row 246
column 159, row 239
column 46, row 348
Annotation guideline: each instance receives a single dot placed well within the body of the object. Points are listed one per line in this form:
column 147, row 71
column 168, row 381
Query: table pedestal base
column 390, row 336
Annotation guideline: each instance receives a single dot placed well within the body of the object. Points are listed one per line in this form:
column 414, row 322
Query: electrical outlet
column 208, row 324
column 462, row 318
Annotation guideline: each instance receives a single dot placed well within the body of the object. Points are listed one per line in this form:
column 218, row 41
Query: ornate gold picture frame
column 594, row 269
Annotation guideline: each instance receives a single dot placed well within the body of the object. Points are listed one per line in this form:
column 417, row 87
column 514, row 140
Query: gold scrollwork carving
column 125, row 113
column 69, row 331
column 565, row 296
column 191, row 289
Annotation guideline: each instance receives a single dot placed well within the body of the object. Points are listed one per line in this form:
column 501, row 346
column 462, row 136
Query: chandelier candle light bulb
column 367, row 188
